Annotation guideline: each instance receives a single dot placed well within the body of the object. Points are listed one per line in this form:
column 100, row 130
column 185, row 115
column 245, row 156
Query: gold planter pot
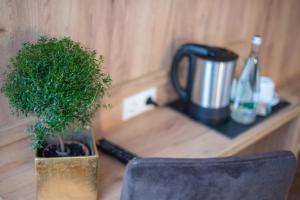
column 69, row 178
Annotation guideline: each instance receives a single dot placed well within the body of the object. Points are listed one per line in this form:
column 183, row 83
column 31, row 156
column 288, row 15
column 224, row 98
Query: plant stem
column 61, row 144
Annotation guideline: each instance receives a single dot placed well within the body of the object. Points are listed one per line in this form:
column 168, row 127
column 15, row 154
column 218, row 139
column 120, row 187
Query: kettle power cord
column 150, row 101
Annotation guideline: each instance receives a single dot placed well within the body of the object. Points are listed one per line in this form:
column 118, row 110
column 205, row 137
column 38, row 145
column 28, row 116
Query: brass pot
column 68, row 178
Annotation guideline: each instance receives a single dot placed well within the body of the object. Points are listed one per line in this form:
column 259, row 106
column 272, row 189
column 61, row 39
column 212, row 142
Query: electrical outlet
column 136, row 104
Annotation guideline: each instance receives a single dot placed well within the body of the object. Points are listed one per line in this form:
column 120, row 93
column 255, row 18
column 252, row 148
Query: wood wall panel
column 139, row 37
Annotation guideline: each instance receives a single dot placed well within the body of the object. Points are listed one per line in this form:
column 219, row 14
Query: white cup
column 267, row 90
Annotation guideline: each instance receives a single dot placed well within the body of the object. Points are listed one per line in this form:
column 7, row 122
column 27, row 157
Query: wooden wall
column 139, row 37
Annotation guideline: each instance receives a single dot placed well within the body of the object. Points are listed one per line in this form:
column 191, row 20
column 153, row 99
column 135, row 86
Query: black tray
column 230, row 128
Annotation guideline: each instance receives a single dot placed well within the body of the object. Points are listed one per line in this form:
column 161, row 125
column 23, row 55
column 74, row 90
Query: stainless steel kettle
column 208, row 86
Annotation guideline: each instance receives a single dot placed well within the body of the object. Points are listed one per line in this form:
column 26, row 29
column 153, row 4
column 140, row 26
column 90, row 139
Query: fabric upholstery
column 259, row 177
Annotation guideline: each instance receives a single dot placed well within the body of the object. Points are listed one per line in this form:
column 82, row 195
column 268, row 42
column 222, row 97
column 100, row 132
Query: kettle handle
column 184, row 93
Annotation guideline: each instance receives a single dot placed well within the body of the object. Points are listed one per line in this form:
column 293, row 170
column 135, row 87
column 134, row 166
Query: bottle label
column 244, row 109
column 248, row 105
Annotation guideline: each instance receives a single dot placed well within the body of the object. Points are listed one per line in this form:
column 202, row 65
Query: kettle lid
column 211, row 53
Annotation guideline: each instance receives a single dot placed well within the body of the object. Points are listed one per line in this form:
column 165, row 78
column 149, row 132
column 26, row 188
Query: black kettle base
column 208, row 116
column 225, row 126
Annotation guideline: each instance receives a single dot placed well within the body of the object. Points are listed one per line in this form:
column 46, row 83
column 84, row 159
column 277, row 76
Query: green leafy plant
column 58, row 81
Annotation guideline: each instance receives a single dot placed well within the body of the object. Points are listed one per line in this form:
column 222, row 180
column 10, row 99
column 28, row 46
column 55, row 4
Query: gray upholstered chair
column 259, row 177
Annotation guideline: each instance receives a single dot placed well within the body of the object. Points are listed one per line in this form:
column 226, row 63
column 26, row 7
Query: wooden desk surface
column 161, row 132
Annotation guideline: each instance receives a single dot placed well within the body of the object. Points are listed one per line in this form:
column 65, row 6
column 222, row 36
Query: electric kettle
column 206, row 93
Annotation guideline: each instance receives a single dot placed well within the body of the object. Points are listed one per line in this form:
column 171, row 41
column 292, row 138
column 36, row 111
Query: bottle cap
column 256, row 40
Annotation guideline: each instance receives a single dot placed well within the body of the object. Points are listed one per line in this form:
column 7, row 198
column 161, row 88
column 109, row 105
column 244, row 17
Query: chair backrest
column 265, row 176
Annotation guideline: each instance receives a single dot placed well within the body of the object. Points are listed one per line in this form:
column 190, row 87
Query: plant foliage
column 58, row 81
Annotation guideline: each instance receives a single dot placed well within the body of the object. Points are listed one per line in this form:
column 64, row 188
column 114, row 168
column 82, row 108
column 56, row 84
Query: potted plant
column 61, row 83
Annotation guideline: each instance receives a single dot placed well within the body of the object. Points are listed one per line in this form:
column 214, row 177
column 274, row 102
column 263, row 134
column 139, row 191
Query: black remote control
column 116, row 151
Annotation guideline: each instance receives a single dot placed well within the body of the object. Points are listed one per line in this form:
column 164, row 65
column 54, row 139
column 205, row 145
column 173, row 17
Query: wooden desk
column 159, row 133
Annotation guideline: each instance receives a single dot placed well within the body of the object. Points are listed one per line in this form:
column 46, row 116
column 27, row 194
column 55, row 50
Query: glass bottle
column 243, row 108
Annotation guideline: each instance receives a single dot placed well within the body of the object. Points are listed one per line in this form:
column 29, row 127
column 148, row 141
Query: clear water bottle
column 243, row 108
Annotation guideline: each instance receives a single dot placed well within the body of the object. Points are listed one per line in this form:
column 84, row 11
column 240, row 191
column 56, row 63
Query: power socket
column 136, row 104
